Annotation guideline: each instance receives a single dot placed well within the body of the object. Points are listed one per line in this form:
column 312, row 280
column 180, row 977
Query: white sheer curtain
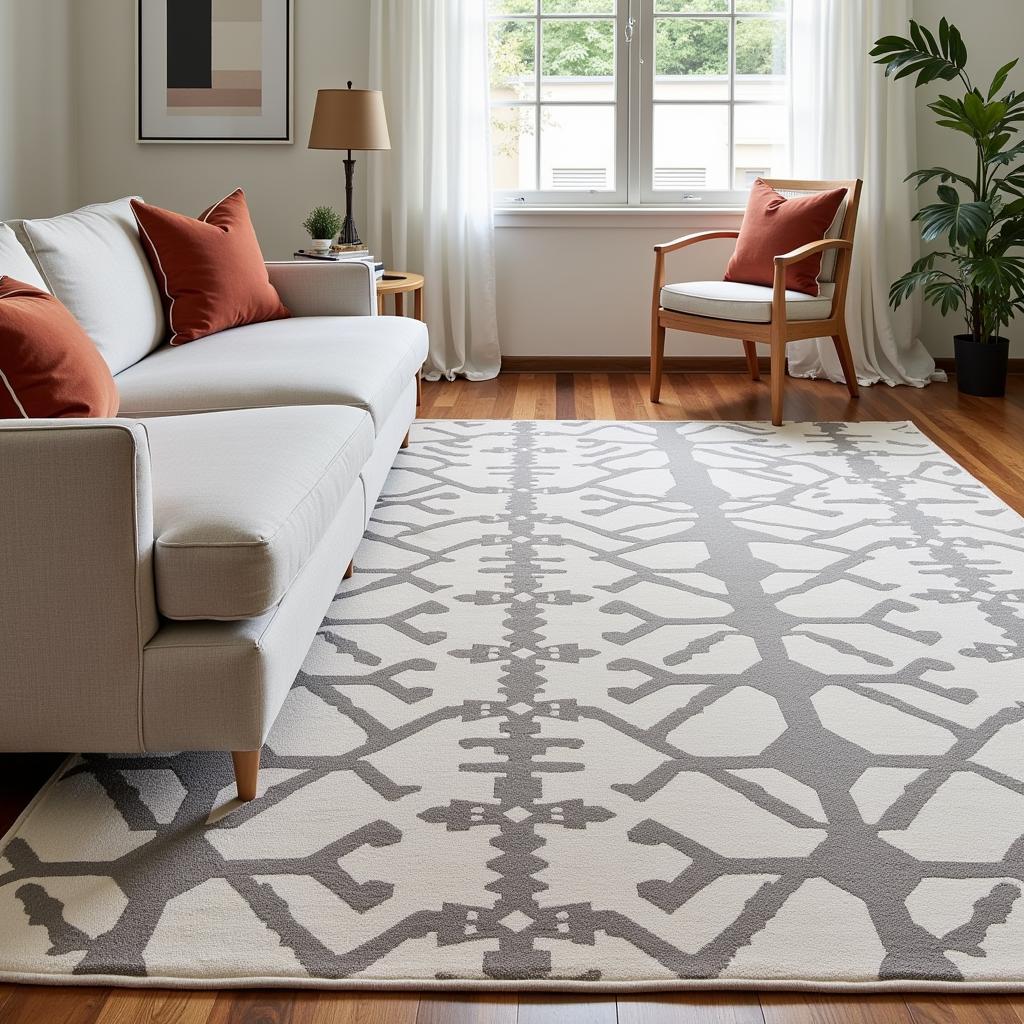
column 430, row 207
column 850, row 122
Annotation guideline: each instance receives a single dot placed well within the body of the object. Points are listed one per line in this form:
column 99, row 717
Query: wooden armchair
column 754, row 314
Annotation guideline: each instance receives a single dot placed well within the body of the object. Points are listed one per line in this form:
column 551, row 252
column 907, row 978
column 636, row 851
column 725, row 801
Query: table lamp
column 349, row 119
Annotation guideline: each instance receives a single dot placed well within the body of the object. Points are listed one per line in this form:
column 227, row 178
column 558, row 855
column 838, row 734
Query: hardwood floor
column 982, row 434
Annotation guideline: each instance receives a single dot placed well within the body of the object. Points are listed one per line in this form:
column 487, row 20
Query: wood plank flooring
column 981, row 434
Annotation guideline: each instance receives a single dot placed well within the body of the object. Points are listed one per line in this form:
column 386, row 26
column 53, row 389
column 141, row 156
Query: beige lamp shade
column 349, row 119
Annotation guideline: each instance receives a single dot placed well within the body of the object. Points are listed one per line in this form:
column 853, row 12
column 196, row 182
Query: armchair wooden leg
column 750, row 350
column 247, row 770
column 778, row 379
column 350, row 571
column 842, row 344
column 405, row 440
column 657, row 359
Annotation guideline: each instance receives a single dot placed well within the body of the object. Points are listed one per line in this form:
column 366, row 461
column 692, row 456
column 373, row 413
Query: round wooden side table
column 399, row 284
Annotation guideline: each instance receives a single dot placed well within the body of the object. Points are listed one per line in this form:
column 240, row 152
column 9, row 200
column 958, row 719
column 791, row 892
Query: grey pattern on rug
column 605, row 704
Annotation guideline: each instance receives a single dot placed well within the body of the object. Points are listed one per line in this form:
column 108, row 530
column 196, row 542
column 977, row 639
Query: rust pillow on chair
column 209, row 268
column 49, row 366
column 774, row 225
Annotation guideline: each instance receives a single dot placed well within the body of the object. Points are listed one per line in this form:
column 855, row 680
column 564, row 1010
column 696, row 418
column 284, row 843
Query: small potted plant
column 979, row 215
column 323, row 223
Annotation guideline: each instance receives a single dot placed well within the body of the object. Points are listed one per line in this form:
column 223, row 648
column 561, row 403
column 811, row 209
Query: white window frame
column 617, row 196
column 634, row 106
column 647, row 195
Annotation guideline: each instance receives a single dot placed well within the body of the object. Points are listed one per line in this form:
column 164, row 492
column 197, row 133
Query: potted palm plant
column 978, row 216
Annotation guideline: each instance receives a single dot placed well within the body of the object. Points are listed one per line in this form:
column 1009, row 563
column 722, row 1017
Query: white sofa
column 164, row 572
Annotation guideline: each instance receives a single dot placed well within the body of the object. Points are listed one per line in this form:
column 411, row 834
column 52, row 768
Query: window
column 557, row 110
column 665, row 102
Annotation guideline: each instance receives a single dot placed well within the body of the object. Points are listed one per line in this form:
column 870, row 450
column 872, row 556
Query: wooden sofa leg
column 350, row 571
column 405, row 441
column 247, row 770
column 750, row 350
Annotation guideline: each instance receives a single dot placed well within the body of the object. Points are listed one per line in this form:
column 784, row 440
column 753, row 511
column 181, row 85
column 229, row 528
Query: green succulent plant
column 323, row 222
column 980, row 216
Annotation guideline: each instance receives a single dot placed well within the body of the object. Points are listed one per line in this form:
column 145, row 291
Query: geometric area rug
column 606, row 706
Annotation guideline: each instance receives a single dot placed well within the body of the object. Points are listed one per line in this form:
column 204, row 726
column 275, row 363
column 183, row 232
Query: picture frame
column 215, row 72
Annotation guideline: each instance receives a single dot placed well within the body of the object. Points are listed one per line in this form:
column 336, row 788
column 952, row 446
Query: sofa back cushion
column 92, row 260
column 15, row 261
column 48, row 366
column 210, row 268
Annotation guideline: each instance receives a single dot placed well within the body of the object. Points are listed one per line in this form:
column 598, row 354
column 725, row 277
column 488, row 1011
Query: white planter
column 321, row 244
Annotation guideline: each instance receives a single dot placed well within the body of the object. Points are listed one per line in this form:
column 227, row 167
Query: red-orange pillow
column 49, row 366
column 209, row 269
column 774, row 225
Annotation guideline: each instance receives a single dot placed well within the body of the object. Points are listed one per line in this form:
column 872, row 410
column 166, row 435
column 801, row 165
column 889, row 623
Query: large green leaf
column 961, row 223
column 997, row 275
column 922, row 55
column 1000, row 77
column 942, row 173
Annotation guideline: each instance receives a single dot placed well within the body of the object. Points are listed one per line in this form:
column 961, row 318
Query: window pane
column 691, row 147
column 577, row 148
column 512, row 48
column 511, row 6
column 577, row 6
column 578, row 60
column 762, row 143
column 760, row 6
column 514, row 148
column 760, row 59
column 692, row 6
column 691, row 59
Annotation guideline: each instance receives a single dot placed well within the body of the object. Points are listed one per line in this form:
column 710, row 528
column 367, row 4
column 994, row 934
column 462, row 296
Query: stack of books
column 344, row 255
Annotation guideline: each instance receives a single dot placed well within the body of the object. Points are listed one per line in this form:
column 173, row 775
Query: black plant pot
column 981, row 366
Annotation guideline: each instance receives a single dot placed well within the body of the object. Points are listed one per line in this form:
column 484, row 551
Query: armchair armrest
column 322, row 288
column 811, row 249
column 77, row 603
column 788, row 259
column 700, row 236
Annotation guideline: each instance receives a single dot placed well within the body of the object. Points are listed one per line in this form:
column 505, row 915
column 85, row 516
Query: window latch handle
column 630, row 26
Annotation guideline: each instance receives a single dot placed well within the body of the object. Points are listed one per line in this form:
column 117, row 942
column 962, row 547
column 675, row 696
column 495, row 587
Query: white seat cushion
column 93, row 262
column 366, row 362
column 747, row 303
column 241, row 499
column 15, row 261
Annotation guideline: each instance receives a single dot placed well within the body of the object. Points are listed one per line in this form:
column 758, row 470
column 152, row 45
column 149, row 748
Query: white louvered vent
column 579, row 179
column 680, row 177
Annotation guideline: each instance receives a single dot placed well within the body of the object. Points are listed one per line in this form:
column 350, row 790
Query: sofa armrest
column 77, row 603
column 321, row 288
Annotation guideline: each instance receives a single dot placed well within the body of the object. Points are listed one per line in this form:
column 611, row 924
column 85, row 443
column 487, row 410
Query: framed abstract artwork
column 214, row 71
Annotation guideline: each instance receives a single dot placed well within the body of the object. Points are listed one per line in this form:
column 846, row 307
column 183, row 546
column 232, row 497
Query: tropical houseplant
column 322, row 224
column 978, row 217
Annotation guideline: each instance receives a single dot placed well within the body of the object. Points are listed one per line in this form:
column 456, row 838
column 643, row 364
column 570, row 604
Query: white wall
column 37, row 140
column 994, row 33
column 282, row 182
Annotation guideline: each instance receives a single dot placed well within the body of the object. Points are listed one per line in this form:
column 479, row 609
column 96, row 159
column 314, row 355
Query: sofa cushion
column 364, row 362
column 241, row 499
column 48, row 366
column 209, row 268
column 93, row 262
column 747, row 303
column 15, row 261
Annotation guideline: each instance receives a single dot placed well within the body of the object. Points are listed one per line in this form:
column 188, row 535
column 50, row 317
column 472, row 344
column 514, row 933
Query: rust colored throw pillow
column 209, row 269
column 774, row 225
column 49, row 366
